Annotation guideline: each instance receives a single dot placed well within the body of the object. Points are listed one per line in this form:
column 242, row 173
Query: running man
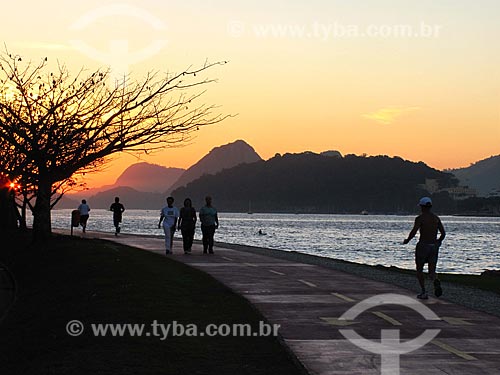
column 84, row 214
column 169, row 215
column 117, row 209
column 428, row 245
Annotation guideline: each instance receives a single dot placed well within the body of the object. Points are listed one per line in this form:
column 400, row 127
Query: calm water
column 472, row 244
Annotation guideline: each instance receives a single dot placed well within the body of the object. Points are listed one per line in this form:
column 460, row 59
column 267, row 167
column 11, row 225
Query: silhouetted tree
column 8, row 213
column 53, row 125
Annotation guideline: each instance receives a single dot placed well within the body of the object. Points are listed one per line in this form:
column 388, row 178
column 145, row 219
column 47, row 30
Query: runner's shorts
column 426, row 253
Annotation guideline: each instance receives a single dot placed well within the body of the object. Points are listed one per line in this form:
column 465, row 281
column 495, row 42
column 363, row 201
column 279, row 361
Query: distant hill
column 66, row 202
column 149, row 177
column 483, row 175
column 146, row 185
column 310, row 182
column 219, row 158
column 332, row 154
column 85, row 194
column 143, row 177
column 131, row 199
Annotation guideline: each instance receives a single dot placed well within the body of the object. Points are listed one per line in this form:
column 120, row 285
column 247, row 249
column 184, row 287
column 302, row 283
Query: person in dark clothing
column 427, row 249
column 117, row 209
column 186, row 224
column 209, row 223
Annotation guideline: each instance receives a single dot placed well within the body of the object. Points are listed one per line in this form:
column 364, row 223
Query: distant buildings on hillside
column 456, row 193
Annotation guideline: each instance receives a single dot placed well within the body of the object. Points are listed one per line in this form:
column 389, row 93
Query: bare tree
column 57, row 125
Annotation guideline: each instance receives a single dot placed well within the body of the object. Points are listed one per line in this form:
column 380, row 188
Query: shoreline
column 371, row 240
column 473, row 291
column 465, row 214
column 268, row 251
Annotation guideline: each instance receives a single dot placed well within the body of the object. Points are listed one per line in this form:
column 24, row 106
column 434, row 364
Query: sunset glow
column 415, row 79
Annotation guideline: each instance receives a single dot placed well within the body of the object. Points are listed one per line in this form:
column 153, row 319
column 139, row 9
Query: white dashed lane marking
column 307, row 283
column 453, row 350
column 387, row 318
column 343, row 297
column 277, row 273
column 456, row 321
column 338, row 322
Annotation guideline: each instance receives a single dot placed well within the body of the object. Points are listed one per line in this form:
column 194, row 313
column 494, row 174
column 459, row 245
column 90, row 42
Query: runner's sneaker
column 423, row 295
column 438, row 291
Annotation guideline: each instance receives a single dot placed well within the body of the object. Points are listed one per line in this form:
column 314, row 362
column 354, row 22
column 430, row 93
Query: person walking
column 169, row 215
column 428, row 245
column 84, row 209
column 209, row 223
column 117, row 209
column 187, row 225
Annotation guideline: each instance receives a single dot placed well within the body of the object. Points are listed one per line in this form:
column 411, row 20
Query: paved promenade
column 309, row 302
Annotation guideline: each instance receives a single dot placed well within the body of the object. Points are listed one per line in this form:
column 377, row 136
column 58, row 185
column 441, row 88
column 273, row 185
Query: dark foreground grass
column 99, row 282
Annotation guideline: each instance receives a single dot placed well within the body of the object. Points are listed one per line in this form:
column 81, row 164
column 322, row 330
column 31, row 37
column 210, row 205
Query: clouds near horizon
column 389, row 115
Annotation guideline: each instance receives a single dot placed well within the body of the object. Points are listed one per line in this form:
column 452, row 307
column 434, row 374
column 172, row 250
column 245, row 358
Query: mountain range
column 143, row 177
column 328, row 182
column 145, row 185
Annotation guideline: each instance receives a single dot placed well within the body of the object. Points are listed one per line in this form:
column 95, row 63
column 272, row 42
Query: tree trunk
column 42, row 228
column 8, row 222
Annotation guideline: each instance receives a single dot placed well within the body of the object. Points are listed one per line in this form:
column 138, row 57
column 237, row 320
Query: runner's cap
column 425, row 202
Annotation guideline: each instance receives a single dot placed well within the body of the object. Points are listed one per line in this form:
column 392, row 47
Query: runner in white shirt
column 84, row 214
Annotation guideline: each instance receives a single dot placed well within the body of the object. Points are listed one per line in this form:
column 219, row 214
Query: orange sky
column 302, row 75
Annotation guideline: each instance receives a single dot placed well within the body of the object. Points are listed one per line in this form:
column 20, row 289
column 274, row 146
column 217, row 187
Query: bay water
column 472, row 244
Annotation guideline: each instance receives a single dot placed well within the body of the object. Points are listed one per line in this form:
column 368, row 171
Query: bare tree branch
column 54, row 126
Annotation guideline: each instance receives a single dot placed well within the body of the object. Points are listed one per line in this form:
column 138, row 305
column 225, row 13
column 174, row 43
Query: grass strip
column 95, row 281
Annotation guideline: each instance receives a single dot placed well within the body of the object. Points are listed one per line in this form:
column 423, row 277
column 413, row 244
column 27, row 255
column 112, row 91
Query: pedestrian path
column 325, row 327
